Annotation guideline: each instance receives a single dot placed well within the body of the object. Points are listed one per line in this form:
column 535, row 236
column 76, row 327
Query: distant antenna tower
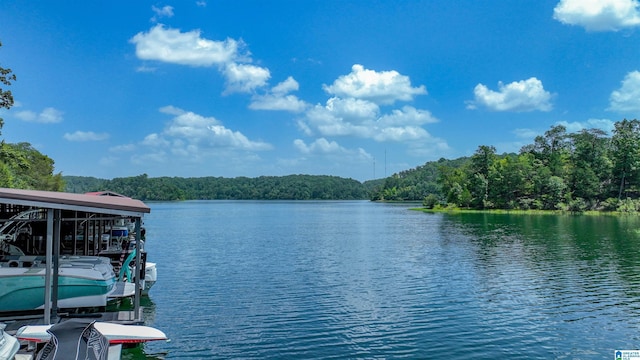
column 374, row 167
column 385, row 162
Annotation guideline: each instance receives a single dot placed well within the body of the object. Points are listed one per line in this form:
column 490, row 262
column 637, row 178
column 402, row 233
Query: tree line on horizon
column 290, row 187
column 585, row 170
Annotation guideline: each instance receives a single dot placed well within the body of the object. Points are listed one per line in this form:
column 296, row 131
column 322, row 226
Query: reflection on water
column 573, row 279
column 148, row 309
column 326, row 280
column 138, row 352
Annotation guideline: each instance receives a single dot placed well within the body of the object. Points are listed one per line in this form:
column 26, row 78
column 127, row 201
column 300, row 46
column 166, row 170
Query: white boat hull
column 114, row 335
column 150, row 277
column 83, row 281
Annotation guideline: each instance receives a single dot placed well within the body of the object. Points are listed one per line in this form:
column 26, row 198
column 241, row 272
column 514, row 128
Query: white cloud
column 403, row 125
column 190, row 125
column 155, row 140
column 319, row 146
column 171, row 110
column 191, row 49
column 285, row 87
column 245, row 77
column 384, row 87
column 342, row 117
column 361, row 118
column 627, row 98
column 408, row 115
column 598, row 15
column 165, row 11
column 234, row 139
column 274, row 102
column 47, row 116
column 323, row 146
column 399, row 134
column 518, row 96
column 192, row 136
column 188, row 48
column 279, row 99
column 86, row 136
column 350, row 109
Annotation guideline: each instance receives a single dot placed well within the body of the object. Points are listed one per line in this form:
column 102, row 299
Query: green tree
column 590, row 171
column 454, row 184
column 6, row 97
column 551, row 149
column 511, row 181
column 554, row 193
column 481, row 168
column 626, row 154
column 28, row 168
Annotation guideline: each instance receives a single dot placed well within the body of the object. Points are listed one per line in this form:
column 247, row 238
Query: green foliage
column 415, row 184
column 83, row 184
column 25, row 167
column 587, row 170
column 430, row 201
column 553, row 193
column 6, row 97
column 628, row 205
column 610, row 204
column 577, row 205
column 292, row 187
column 626, row 155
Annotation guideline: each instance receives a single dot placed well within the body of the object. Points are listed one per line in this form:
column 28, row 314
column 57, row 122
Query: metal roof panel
column 61, row 200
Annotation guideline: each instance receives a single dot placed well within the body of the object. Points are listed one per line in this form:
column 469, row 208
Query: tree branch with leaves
column 6, row 97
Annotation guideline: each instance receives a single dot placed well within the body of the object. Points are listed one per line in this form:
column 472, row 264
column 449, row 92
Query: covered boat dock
column 70, row 224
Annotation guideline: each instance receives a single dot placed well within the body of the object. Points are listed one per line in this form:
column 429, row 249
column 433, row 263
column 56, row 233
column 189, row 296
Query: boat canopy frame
column 62, row 206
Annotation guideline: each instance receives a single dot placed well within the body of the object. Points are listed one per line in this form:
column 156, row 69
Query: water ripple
column 343, row 280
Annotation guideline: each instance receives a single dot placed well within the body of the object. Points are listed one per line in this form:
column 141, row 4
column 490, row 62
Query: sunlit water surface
column 356, row 279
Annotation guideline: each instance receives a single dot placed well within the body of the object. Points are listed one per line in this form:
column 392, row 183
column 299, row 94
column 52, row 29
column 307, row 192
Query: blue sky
column 358, row 89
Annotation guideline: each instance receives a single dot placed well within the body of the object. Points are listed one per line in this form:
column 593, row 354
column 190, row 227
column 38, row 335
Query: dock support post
column 57, row 226
column 139, row 276
column 48, row 268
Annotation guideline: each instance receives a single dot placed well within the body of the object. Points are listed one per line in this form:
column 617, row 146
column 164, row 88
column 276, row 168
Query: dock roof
column 114, row 205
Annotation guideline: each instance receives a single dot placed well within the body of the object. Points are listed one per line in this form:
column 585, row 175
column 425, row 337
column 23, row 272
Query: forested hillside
column 292, row 187
column 587, row 170
column 415, row 184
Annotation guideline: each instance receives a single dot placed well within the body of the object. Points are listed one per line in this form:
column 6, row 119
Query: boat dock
column 53, row 266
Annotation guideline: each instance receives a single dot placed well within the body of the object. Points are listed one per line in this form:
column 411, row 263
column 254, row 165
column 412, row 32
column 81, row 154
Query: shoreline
column 525, row 212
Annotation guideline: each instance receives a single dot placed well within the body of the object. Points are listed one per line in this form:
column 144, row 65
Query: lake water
column 355, row 279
